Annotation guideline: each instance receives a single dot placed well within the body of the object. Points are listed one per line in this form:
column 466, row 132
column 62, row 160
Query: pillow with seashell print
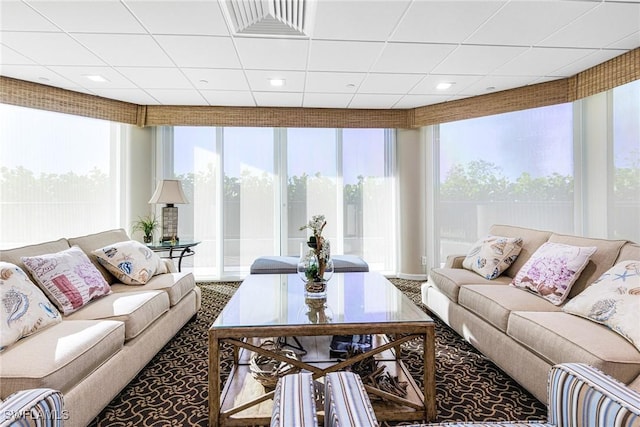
column 25, row 308
column 130, row 261
column 492, row 255
column 613, row 300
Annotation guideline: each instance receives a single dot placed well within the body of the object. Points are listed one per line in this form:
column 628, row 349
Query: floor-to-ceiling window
column 59, row 176
column 251, row 189
column 514, row 168
column 624, row 216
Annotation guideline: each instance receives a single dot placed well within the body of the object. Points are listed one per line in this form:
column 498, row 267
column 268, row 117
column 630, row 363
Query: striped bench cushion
column 346, row 401
column 581, row 395
column 41, row 407
column 294, row 402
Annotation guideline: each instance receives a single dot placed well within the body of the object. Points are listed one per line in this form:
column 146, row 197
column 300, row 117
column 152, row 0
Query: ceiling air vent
column 267, row 17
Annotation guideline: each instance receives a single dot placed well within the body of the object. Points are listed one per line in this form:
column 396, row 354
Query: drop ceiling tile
column 272, row 53
column 318, row 81
column 36, row 74
column 228, row 98
column 389, row 83
column 10, row 56
column 50, row 48
column 528, row 22
column 157, row 78
column 376, row 101
column 492, row 83
column 444, row 21
column 177, row 96
column 597, row 57
column 343, row 56
column 541, row 61
column 414, row 101
column 89, row 16
column 608, row 23
column 428, row 85
column 200, row 51
column 353, row 20
column 180, row 17
column 278, row 99
column 217, row 79
column 134, row 96
column 17, row 16
column 326, row 100
column 78, row 75
column 259, row 80
column 630, row 42
column 126, row 49
column 477, row 59
column 411, row 57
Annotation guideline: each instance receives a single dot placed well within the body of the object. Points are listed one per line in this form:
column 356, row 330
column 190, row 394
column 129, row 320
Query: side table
column 181, row 249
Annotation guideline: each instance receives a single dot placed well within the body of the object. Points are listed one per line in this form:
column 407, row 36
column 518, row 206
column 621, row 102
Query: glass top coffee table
column 272, row 306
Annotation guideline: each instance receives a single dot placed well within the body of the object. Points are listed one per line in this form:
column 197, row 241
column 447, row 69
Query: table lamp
column 169, row 191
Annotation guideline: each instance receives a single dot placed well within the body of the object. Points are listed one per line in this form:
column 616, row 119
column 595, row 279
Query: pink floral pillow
column 552, row 270
column 68, row 278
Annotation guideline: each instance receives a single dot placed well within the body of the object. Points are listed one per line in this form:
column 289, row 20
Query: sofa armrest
column 581, row 395
column 454, row 261
column 294, row 401
column 33, row 407
column 346, row 402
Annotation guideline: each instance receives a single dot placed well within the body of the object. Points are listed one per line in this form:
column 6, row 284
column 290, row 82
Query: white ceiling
column 356, row 54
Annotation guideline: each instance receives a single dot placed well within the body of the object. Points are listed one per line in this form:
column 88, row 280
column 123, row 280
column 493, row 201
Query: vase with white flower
column 315, row 266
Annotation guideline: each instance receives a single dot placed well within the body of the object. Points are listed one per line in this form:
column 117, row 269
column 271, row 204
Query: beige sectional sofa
column 94, row 352
column 523, row 333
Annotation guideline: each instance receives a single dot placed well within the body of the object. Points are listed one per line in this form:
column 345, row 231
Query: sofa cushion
column 68, row 278
column 559, row 337
column 552, row 270
column 74, row 349
column 490, row 256
column 25, row 309
column 14, row 256
column 136, row 309
column 613, row 300
column 176, row 285
column 531, row 240
column 604, row 258
column 91, row 242
column 130, row 261
column 495, row 303
column 449, row 280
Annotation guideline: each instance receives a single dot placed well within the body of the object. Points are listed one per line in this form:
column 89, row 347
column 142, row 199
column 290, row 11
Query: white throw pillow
column 491, row 256
column 131, row 262
column 613, row 300
column 552, row 270
column 25, row 309
column 68, row 278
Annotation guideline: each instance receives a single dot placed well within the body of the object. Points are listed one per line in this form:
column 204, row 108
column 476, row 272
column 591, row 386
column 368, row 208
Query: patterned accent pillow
column 25, row 309
column 131, row 262
column 552, row 270
column 613, row 300
column 491, row 256
column 68, row 278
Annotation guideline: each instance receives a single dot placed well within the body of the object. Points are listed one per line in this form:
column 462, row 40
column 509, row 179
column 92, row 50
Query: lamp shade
column 169, row 191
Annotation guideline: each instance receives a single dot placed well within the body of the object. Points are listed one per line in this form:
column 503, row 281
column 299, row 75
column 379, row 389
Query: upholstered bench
column 288, row 264
column 346, row 403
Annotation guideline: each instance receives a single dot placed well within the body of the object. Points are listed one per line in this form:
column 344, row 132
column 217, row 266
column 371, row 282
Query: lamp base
column 169, row 224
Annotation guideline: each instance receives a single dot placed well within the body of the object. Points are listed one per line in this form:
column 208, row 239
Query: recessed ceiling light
column 444, row 85
column 350, row 85
column 491, row 88
column 203, row 81
column 276, row 82
column 96, row 78
column 43, row 79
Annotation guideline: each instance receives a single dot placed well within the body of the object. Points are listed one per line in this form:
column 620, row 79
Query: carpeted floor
column 172, row 389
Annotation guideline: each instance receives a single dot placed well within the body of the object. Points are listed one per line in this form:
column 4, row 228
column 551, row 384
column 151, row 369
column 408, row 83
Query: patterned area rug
column 172, row 389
